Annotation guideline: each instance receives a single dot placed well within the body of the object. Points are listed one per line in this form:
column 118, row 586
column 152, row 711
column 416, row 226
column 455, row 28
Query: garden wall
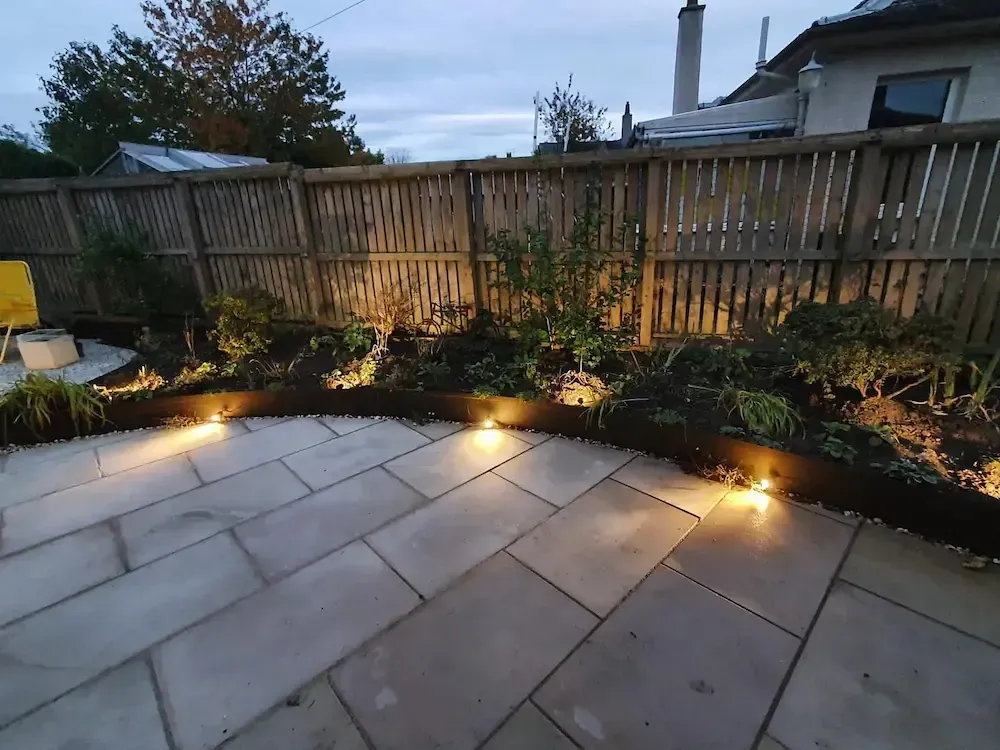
column 730, row 236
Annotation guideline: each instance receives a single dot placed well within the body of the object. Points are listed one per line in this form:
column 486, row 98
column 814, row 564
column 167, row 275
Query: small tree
column 566, row 290
column 398, row 156
column 570, row 112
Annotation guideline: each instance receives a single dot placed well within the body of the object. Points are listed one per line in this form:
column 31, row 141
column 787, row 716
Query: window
column 910, row 102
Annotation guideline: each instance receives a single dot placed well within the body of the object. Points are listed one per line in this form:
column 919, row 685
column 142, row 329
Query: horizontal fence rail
column 729, row 238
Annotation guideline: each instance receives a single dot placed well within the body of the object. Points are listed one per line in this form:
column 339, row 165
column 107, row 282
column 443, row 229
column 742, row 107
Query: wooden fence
column 730, row 237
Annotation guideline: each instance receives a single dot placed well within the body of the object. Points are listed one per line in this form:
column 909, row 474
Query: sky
column 454, row 79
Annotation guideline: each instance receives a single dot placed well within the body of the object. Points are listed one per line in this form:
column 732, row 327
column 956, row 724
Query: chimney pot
column 687, row 65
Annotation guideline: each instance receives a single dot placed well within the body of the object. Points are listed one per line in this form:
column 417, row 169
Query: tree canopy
column 19, row 159
column 215, row 75
column 569, row 112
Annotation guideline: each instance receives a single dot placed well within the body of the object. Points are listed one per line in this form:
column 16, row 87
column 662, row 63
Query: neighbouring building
column 886, row 63
column 138, row 158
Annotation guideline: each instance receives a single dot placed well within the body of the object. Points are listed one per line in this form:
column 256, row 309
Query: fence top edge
column 149, row 179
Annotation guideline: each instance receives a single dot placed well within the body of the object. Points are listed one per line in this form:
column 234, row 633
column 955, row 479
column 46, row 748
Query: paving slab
column 60, row 450
column 259, row 423
column 227, row 671
column 313, row 719
column 875, row 675
column 29, row 481
column 927, row 578
column 117, row 711
column 769, row 743
column 560, row 470
column 358, row 451
column 347, row 425
column 674, row 667
column 528, row 729
column 182, row 520
column 153, row 445
column 308, row 529
column 767, row 555
column 55, row 571
column 435, row 545
column 447, row 463
column 449, row 674
column 603, row 543
column 665, row 480
column 53, row 651
column 435, row 430
column 61, row 512
column 535, row 438
column 244, row 452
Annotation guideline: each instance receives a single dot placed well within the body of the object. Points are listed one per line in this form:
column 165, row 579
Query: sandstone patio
column 318, row 583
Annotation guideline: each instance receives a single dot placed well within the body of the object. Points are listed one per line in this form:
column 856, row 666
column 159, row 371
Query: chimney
column 626, row 125
column 687, row 67
column 765, row 26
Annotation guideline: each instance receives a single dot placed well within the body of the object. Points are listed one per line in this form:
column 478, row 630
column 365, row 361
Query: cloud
column 453, row 79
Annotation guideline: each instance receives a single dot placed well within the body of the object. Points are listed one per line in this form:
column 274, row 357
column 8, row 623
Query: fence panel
column 729, row 237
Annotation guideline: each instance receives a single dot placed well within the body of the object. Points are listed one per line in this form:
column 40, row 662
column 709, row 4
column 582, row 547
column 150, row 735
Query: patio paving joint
column 834, row 579
column 328, row 679
column 161, row 706
column 380, row 556
column 555, row 724
column 114, row 524
column 923, row 615
column 246, row 553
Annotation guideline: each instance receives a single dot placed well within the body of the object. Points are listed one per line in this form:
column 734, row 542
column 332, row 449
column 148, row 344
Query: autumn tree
column 217, row 75
column 568, row 112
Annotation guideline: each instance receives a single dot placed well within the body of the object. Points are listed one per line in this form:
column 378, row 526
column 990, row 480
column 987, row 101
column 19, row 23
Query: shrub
column 35, row 398
column 244, row 321
column 358, row 338
column 130, row 280
column 391, row 310
column 565, row 291
column 862, row 345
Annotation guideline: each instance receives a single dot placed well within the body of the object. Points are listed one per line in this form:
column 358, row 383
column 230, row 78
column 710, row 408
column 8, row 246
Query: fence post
column 71, row 218
column 191, row 230
column 862, row 210
column 652, row 236
column 472, row 295
column 307, row 240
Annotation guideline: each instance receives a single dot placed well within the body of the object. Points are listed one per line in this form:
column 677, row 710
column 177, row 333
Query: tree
column 217, row 75
column 568, row 111
column 20, row 159
column 398, row 156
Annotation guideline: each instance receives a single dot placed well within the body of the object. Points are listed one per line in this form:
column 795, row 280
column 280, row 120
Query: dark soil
column 686, row 389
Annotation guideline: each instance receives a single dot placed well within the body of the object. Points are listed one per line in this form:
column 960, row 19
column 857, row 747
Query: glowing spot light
column 216, row 418
column 764, row 485
column 489, row 424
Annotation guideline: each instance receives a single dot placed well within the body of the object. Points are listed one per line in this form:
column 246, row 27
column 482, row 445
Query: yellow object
column 18, row 306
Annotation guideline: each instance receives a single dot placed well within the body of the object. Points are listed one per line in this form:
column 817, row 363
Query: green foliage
column 911, row 472
column 194, row 375
column 491, row 373
column 243, row 321
column 358, row 373
column 985, row 382
column 667, row 417
column 322, row 342
column 122, row 267
column 726, row 363
column 832, row 443
column 35, row 398
column 436, row 372
column 220, row 76
column 768, row 414
column 485, row 391
column 20, row 161
column 564, row 291
column 861, row 345
column 358, row 337
column 528, row 396
column 570, row 117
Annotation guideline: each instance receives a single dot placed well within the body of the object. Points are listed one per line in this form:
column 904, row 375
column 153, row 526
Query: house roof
column 879, row 15
column 767, row 113
column 166, row 159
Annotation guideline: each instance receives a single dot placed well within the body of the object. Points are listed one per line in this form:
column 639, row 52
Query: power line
column 334, row 15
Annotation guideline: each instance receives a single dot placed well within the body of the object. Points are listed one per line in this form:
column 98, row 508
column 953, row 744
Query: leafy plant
column 862, row 345
column 911, row 472
column 142, row 386
column 358, row 373
column 985, row 382
column 244, row 321
column 323, row 342
column 271, row 371
column 754, row 437
column 528, row 396
column 565, row 290
column 485, row 391
column 437, row 372
column 194, row 375
column 35, row 398
column 768, row 414
column 493, row 374
column 880, row 433
column 832, row 443
column 667, row 417
column 358, row 337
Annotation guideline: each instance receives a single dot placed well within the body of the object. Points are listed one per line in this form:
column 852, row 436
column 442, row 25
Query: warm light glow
column 757, row 500
column 487, row 440
column 489, row 424
column 764, row 484
column 217, row 417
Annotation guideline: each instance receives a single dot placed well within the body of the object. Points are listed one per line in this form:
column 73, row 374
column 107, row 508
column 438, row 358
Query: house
column 137, row 158
column 886, row 63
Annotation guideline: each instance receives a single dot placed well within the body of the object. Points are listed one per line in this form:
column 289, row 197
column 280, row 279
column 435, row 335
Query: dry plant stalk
column 388, row 312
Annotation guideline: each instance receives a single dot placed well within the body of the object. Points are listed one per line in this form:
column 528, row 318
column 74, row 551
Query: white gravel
column 98, row 359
